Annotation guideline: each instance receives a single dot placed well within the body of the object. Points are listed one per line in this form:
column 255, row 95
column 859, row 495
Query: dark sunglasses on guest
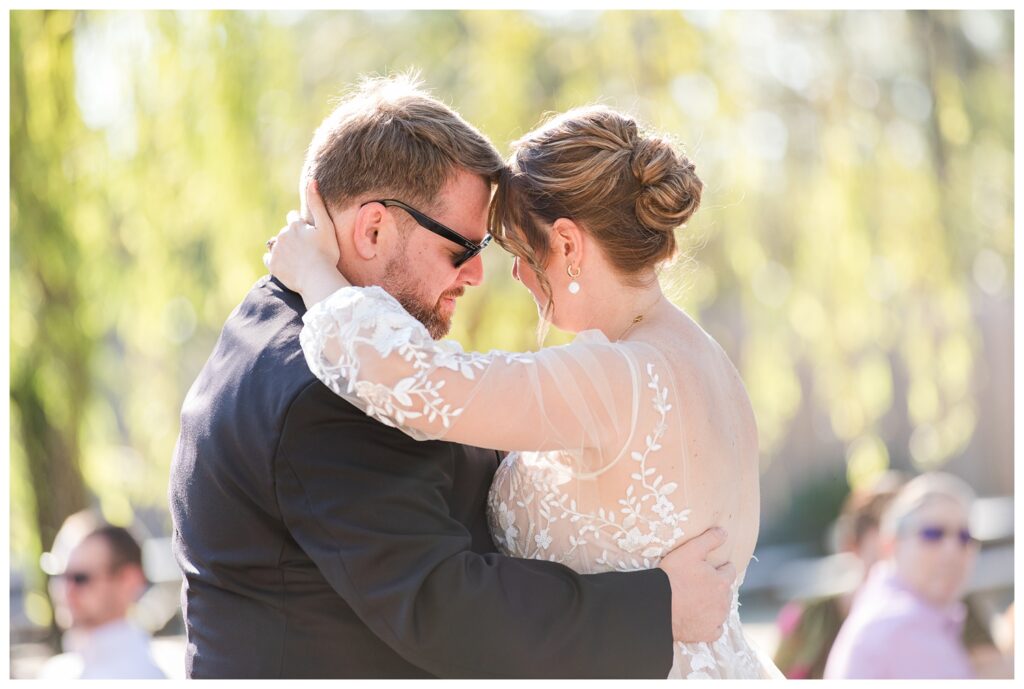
column 426, row 222
column 936, row 534
column 82, row 578
column 77, row 578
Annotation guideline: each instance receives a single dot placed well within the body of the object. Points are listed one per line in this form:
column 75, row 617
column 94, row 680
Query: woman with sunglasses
column 907, row 619
column 631, row 440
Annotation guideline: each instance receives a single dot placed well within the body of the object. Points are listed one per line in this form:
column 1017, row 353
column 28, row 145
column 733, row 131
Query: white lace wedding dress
column 599, row 475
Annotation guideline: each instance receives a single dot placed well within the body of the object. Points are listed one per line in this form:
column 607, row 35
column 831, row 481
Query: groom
column 316, row 541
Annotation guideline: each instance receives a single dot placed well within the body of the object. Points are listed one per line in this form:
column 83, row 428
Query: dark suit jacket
column 318, row 542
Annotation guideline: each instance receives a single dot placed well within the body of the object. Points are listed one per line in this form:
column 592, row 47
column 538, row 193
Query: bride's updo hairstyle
column 626, row 189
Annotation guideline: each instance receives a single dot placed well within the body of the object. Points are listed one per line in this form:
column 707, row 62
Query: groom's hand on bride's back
column 701, row 593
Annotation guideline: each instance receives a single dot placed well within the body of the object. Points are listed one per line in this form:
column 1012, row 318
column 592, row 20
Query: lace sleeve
column 366, row 348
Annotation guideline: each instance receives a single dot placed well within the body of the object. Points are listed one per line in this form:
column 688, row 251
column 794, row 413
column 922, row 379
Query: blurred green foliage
column 858, row 201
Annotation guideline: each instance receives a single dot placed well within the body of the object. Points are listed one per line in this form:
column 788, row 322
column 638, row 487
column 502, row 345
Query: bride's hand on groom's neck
column 305, row 257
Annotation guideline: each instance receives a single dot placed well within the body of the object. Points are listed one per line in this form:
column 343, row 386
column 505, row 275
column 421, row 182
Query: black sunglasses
column 428, row 223
column 77, row 578
column 936, row 534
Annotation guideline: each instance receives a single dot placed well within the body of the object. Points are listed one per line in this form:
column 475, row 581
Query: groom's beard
column 401, row 286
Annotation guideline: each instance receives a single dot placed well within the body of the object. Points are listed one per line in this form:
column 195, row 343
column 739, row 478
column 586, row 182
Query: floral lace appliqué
column 353, row 318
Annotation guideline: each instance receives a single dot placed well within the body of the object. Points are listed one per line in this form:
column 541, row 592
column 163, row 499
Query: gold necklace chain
column 637, row 319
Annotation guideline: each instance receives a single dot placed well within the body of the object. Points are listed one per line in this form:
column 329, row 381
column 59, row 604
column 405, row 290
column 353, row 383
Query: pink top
column 892, row 633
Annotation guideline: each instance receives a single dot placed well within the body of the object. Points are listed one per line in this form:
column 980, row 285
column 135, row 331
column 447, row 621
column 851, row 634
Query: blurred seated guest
column 808, row 628
column 907, row 619
column 101, row 580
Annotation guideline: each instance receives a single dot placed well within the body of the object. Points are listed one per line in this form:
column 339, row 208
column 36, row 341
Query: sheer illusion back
column 619, row 451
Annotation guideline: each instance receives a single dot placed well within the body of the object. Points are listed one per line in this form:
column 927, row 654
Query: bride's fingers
column 321, row 218
column 293, row 216
column 315, row 203
column 281, row 238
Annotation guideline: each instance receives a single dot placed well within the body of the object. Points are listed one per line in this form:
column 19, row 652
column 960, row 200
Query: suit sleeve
column 378, row 527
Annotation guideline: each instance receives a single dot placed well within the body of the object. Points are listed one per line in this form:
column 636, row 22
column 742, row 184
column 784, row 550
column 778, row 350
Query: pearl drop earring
column 574, row 287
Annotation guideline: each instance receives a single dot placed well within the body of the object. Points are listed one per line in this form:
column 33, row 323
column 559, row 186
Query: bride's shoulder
column 632, row 356
column 597, row 340
column 593, row 336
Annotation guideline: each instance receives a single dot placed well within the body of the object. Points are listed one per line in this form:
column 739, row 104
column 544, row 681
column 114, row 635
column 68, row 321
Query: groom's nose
column 472, row 271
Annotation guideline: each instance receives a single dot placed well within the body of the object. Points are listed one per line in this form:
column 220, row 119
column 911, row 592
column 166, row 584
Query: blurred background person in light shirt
column 907, row 619
column 101, row 581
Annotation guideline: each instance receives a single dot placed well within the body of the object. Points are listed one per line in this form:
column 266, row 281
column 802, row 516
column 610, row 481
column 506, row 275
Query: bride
column 623, row 444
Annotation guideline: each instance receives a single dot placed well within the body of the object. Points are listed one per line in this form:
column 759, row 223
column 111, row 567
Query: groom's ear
column 366, row 231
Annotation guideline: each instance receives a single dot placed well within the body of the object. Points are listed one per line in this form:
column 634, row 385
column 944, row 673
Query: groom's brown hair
column 389, row 138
